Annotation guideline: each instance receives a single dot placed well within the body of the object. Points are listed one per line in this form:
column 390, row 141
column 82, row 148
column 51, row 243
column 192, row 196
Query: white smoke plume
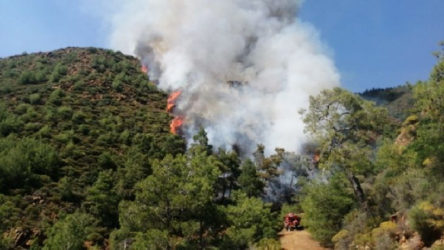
column 246, row 67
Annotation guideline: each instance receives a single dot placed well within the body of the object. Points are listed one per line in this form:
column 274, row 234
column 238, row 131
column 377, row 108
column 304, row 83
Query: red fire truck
column 291, row 221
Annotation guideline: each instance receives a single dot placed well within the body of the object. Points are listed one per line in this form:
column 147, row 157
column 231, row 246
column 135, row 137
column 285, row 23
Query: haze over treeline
column 242, row 78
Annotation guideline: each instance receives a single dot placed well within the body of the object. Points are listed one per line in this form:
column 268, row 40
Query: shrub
column 45, row 131
column 6, row 89
column 41, row 76
column 22, row 160
column 79, row 117
column 251, row 220
column 84, row 129
column 428, row 220
column 268, row 244
column 56, row 97
column 8, row 213
column 32, row 126
column 105, row 139
column 118, row 82
column 9, row 123
column 63, row 137
column 35, row 98
column 64, row 112
column 71, row 232
column 154, row 238
column 117, row 85
column 66, row 188
column 58, row 72
column 325, row 205
column 30, row 115
column 106, row 161
column 384, row 236
column 92, row 50
column 22, row 108
column 27, row 77
column 125, row 137
column 79, row 85
column 102, row 201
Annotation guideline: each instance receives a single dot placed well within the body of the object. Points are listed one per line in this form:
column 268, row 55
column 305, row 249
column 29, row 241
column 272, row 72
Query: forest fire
column 176, row 123
column 172, row 100
column 144, row 69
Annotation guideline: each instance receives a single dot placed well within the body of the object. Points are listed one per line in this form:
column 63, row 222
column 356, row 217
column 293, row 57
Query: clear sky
column 374, row 43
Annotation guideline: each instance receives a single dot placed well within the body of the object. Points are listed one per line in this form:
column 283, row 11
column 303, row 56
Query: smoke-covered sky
column 275, row 51
column 376, row 43
column 245, row 68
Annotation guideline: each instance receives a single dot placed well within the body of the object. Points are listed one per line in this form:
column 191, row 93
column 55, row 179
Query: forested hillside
column 398, row 100
column 67, row 117
column 87, row 161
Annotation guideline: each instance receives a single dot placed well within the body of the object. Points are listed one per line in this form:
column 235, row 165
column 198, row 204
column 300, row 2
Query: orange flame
column 144, row 69
column 172, row 100
column 176, row 123
column 317, row 157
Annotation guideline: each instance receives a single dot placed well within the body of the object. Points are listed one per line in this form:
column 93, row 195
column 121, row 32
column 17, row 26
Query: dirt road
column 296, row 240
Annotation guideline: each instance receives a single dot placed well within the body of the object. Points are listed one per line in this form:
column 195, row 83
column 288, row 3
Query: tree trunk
column 357, row 189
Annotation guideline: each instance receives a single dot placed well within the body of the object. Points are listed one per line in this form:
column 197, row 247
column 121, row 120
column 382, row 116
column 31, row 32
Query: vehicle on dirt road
column 292, row 222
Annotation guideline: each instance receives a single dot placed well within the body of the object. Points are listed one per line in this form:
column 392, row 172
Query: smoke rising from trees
column 245, row 67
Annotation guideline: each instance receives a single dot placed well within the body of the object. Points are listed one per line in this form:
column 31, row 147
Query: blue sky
column 377, row 43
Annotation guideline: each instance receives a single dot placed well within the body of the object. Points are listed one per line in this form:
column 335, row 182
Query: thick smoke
column 246, row 67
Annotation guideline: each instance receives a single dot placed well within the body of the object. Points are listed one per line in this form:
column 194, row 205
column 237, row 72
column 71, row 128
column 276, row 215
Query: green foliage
column 66, row 188
column 106, row 161
column 135, row 168
column 397, row 100
column 346, row 128
column 177, row 197
column 76, row 97
column 64, row 112
column 118, row 82
column 402, row 176
column 250, row 220
column 9, row 213
column 102, row 200
column 79, row 117
column 27, row 77
column 58, row 73
column 268, row 244
column 289, row 208
column 228, row 180
column 428, row 220
column 325, row 205
column 56, row 97
column 70, row 232
column 430, row 132
column 151, row 239
column 267, row 166
column 102, row 138
column 22, row 161
column 201, row 143
column 35, row 98
column 9, row 123
column 249, row 180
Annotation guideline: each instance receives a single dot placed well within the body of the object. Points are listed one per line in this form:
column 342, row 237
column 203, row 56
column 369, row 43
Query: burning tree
column 178, row 120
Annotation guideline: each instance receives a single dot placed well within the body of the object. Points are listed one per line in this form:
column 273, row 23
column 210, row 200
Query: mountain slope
column 397, row 100
column 72, row 113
